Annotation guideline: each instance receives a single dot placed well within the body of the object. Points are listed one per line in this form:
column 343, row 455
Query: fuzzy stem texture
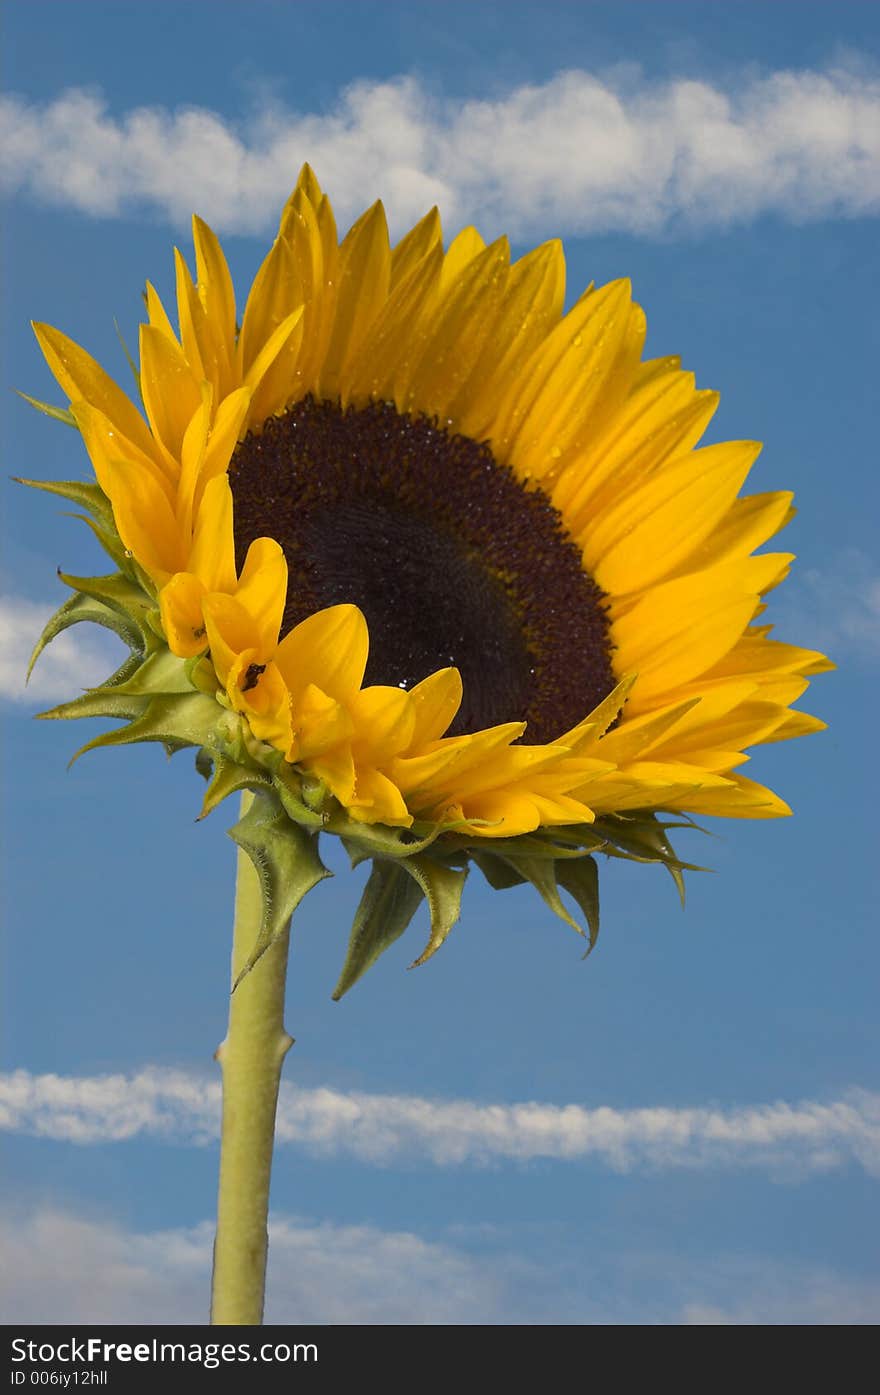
column 251, row 1057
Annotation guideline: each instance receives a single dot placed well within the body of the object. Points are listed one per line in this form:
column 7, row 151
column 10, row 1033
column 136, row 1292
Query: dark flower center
column 451, row 559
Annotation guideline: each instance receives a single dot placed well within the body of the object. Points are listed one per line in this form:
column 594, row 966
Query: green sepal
column 441, row 886
column 227, row 777
column 204, row 763
column 88, row 496
column 363, row 840
column 547, row 847
column 56, row 413
column 110, row 541
column 498, row 873
column 130, row 361
column 288, row 787
column 286, row 861
column 117, row 591
column 390, row 900
column 98, row 516
column 72, row 612
column 161, row 674
column 176, row 721
column 200, row 672
column 96, row 702
column 541, row 872
column 581, row 880
column 641, row 837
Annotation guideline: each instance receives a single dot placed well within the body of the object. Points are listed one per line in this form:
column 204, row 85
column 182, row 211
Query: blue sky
column 702, row 1136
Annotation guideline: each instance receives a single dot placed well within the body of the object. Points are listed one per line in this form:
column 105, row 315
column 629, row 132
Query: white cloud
column 578, row 153
column 179, row 1107
column 79, row 658
column 835, row 607
column 64, row 1268
column 71, row 1269
column 749, row 1294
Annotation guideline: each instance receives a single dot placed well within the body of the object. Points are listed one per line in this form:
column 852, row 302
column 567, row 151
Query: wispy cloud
column 77, row 659
column 68, row 1268
column 834, row 607
column 317, row 1273
column 580, row 153
column 179, row 1107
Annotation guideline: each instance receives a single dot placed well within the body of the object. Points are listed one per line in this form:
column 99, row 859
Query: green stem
column 250, row 1059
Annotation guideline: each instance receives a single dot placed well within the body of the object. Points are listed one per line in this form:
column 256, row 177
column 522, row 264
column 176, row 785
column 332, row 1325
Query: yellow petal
column 107, row 446
column 171, row 389
column 336, row 769
column 262, row 588
column 750, row 522
column 157, row 314
column 796, row 724
column 452, row 343
column 329, row 648
column 377, row 800
column 268, row 354
column 462, row 250
column 381, row 366
column 744, row 799
column 146, row 522
column 426, row 777
column 180, row 605
column 216, row 291
column 655, row 528
column 192, row 458
column 231, row 633
column 362, row 279
column 276, row 292
column 435, row 702
column 319, row 724
column 212, row 558
column 664, row 415
column 569, row 366
column 415, row 246
column 384, row 723
column 682, row 628
column 531, row 306
column 193, row 330
column 84, row 380
column 223, row 437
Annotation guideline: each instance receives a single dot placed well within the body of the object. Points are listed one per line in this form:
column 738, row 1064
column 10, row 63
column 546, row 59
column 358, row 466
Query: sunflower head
column 421, row 560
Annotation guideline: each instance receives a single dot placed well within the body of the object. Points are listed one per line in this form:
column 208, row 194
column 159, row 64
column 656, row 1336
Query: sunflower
column 425, row 561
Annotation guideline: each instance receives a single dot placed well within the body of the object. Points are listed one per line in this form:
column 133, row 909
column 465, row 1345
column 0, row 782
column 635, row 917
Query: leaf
column 390, row 900
column 286, row 861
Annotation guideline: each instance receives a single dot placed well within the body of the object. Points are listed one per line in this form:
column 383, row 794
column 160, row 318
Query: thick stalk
column 250, row 1059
